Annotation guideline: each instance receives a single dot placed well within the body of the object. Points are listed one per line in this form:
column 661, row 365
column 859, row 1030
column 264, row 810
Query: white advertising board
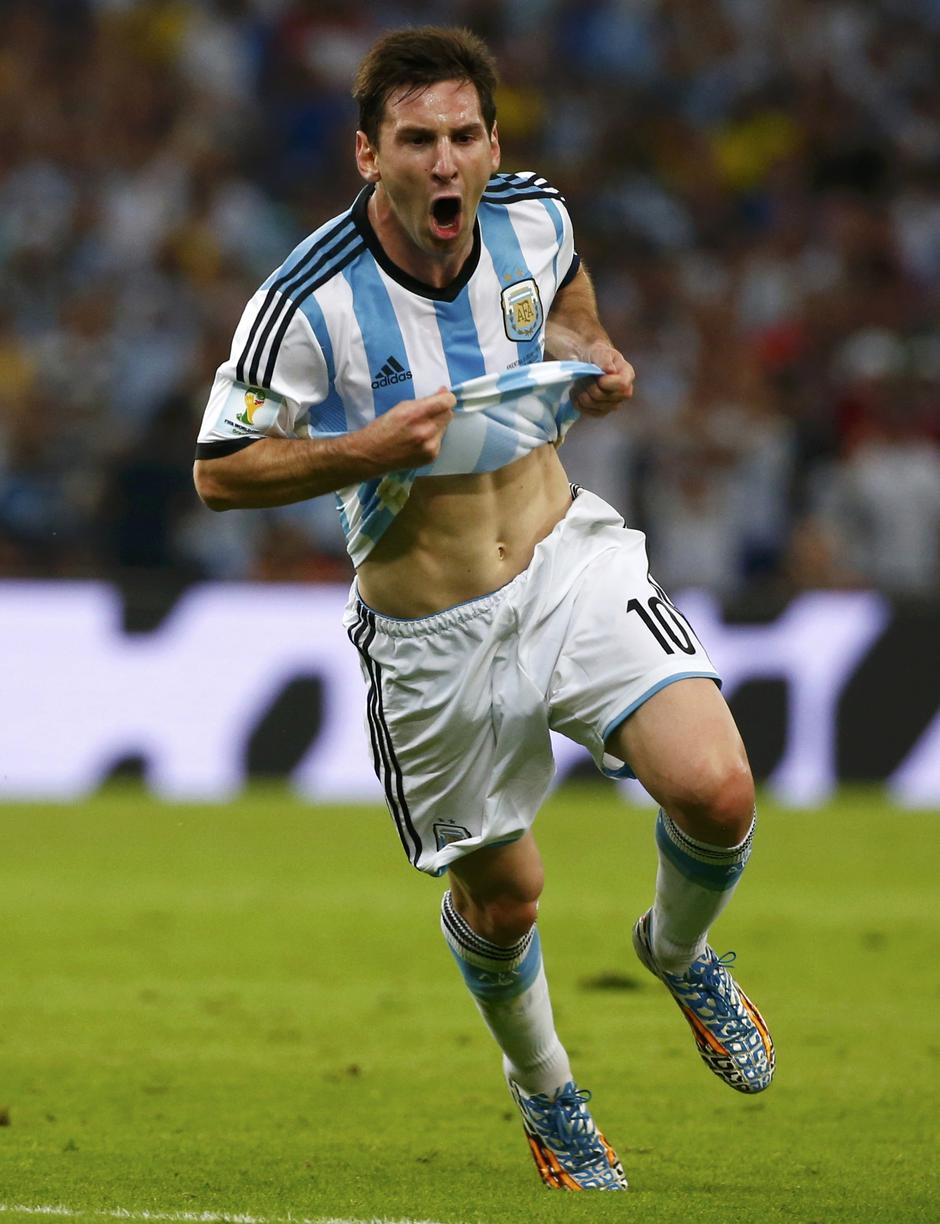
column 80, row 694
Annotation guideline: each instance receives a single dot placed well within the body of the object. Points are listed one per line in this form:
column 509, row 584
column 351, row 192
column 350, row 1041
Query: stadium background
column 756, row 189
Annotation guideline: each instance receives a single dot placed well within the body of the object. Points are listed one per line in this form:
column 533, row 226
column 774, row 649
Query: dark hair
column 420, row 57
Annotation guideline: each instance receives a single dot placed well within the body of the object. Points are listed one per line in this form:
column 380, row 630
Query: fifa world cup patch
column 251, row 410
column 254, row 399
column 522, row 309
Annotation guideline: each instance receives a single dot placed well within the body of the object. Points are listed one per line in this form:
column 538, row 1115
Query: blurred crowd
column 755, row 189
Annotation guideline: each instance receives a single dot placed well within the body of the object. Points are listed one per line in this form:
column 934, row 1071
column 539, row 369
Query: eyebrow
column 417, row 129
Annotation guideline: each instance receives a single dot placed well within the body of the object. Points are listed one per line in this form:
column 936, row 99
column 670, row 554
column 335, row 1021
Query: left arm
column 574, row 332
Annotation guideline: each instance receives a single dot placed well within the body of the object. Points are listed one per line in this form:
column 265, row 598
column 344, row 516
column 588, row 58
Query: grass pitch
column 249, row 1010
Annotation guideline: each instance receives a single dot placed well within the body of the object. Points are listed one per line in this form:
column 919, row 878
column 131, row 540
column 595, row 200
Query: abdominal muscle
column 459, row 537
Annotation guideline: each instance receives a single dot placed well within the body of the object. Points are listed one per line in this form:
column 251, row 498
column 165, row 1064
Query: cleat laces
column 570, row 1152
column 568, row 1127
column 709, row 984
column 709, row 991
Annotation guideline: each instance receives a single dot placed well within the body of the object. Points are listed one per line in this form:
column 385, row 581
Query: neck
column 431, row 268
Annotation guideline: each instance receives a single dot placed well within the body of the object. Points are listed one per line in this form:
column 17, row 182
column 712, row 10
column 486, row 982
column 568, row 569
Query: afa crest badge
column 522, row 309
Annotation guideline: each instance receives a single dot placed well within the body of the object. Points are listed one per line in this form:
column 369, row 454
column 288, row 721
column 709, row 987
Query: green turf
column 250, row 1009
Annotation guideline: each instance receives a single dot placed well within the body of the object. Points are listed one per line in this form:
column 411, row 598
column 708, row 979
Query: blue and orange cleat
column 569, row 1151
column 729, row 1031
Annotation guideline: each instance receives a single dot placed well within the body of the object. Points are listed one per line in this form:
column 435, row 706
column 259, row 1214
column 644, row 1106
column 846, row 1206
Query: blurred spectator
column 755, row 188
column 816, row 559
column 148, row 493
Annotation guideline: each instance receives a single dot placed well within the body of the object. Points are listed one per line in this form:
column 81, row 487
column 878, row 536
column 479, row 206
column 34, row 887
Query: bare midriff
column 459, row 537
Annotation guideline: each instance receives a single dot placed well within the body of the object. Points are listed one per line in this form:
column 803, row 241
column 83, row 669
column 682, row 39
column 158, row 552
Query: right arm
column 259, row 444
column 275, row 471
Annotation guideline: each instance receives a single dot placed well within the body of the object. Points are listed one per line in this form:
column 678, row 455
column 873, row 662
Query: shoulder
column 519, row 187
column 278, row 326
column 321, row 256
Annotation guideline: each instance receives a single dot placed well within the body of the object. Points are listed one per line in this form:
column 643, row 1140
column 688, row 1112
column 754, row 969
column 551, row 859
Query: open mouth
column 445, row 216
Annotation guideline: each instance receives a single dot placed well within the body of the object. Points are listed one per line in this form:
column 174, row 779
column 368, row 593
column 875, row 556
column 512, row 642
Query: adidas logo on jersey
column 392, row 372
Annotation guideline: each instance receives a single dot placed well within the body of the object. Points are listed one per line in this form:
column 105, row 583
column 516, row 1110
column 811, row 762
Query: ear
column 366, row 159
column 494, row 147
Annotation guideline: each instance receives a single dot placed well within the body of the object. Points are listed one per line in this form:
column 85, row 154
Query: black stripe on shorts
column 386, row 764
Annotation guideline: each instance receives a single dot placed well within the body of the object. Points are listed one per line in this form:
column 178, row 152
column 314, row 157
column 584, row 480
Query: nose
column 444, row 165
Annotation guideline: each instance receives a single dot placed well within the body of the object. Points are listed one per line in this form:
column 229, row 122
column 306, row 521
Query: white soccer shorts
column 460, row 703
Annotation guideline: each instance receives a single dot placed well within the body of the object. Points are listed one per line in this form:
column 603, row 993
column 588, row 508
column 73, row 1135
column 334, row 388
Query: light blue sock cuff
column 490, row 970
column 714, row 867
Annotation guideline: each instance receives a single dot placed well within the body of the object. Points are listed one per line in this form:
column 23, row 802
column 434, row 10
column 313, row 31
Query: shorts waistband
column 423, row 626
column 585, row 508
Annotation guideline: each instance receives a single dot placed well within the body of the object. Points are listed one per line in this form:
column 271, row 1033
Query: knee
column 718, row 802
column 731, row 809
column 502, row 918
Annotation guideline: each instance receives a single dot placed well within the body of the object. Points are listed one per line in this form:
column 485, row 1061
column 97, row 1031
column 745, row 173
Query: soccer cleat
column 729, row 1031
column 569, row 1151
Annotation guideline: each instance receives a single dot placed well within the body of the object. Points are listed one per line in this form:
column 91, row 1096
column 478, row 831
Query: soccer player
column 396, row 359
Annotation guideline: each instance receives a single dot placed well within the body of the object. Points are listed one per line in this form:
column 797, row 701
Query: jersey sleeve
column 526, row 187
column 566, row 260
column 572, row 270
column 275, row 374
column 569, row 261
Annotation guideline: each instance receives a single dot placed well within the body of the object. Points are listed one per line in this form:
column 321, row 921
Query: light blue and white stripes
column 491, row 972
column 501, row 417
column 711, row 867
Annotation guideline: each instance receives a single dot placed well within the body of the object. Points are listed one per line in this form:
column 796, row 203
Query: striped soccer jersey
column 339, row 334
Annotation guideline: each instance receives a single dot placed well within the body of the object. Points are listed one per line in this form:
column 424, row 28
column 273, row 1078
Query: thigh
column 618, row 642
column 459, row 735
column 679, row 740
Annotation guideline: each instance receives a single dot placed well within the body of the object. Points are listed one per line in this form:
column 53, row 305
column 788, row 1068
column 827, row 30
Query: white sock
column 511, row 992
column 694, row 883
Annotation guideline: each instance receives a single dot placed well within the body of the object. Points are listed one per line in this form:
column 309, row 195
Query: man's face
column 433, row 159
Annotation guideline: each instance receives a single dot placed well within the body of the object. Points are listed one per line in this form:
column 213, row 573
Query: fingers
column 604, row 395
column 427, row 419
column 619, row 385
column 608, row 358
column 607, row 391
column 410, row 434
column 442, row 401
column 434, row 407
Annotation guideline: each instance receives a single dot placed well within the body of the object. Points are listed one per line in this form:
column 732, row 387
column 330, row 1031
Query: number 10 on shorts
column 666, row 623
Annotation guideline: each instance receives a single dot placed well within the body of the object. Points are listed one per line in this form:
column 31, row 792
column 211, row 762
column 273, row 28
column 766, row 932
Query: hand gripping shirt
column 339, row 334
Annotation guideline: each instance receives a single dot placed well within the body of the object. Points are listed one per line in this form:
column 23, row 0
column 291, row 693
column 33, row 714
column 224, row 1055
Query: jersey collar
column 360, row 216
